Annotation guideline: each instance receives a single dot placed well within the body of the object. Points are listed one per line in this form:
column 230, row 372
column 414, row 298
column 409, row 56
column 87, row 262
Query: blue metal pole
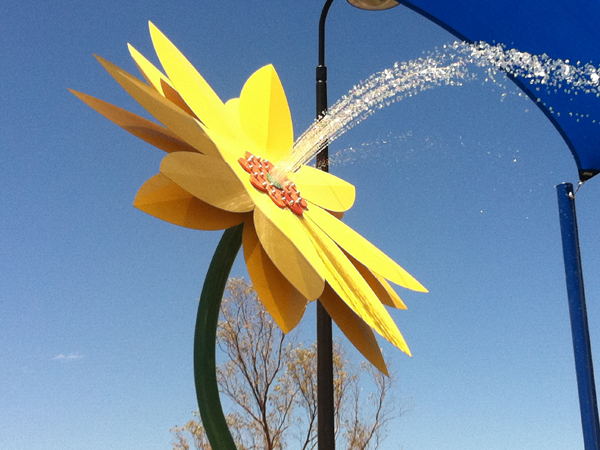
column 579, row 324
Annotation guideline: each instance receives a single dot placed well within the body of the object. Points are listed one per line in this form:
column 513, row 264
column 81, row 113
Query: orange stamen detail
column 282, row 192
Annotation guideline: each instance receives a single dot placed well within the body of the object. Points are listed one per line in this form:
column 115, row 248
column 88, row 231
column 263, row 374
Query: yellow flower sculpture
column 220, row 172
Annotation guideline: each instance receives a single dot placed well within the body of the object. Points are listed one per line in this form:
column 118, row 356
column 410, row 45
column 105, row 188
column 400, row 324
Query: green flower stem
column 205, row 374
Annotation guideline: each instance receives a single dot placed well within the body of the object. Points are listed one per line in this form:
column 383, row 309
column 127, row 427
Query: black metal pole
column 578, row 312
column 325, row 392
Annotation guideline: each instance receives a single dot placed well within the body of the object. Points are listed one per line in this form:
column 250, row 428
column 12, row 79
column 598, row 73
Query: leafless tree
column 365, row 423
column 270, row 379
column 194, row 431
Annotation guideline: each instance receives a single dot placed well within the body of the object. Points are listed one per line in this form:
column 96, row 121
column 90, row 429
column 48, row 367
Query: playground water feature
column 454, row 64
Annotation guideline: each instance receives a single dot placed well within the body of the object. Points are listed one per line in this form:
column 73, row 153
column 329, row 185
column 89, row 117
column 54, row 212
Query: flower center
column 283, row 192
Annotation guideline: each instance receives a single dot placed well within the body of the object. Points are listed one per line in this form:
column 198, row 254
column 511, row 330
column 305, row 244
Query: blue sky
column 98, row 300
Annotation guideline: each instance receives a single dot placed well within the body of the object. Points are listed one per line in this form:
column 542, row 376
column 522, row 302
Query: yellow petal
column 196, row 92
column 345, row 280
column 285, row 241
column 138, row 126
column 285, row 304
column 176, row 120
column 158, row 80
column 173, row 95
column 233, row 108
column 162, row 198
column 323, row 189
column 152, row 75
column 209, row 179
column 232, row 147
column 363, row 250
column 393, row 296
column 355, row 329
column 381, row 288
column 265, row 115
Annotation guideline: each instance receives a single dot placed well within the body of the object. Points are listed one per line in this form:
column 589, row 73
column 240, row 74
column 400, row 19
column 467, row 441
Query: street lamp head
column 374, row 5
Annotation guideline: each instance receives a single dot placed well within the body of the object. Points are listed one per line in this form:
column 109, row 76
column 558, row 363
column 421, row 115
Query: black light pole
column 325, row 391
column 325, row 400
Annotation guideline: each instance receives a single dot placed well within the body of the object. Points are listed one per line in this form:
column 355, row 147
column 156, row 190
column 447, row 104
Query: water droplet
column 450, row 67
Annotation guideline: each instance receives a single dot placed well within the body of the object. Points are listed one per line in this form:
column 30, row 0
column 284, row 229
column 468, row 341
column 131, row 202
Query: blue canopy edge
column 573, row 35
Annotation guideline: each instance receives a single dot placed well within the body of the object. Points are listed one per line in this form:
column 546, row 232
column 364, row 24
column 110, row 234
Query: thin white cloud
column 70, row 356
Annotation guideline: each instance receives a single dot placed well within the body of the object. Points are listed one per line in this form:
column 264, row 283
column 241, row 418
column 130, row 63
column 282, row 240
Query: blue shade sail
column 562, row 29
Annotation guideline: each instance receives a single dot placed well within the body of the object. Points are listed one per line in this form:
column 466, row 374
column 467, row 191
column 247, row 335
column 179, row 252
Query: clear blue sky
column 97, row 299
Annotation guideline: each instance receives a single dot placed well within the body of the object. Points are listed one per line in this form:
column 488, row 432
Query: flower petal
column 158, row 80
column 152, row 74
column 285, row 241
column 381, row 288
column 209, row 179
column 323, row 189
column 138, row 126
column 285, row 304
column 233, row 108
column 233, row 146
column 173, row 95
column 265, row 115
column 345, row 280
column 355, row 329
column 337, row 214
column 363, row 250
column 162, row 198
column 176, row 120
column 194, row 89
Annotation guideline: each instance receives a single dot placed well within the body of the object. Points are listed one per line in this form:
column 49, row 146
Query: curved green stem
column 205, row 375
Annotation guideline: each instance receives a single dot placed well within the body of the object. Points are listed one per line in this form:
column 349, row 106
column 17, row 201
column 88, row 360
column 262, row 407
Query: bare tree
column 271, row 381
column 254, row 375
column 365, row 423
column 360, row 422
column 195, row 431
